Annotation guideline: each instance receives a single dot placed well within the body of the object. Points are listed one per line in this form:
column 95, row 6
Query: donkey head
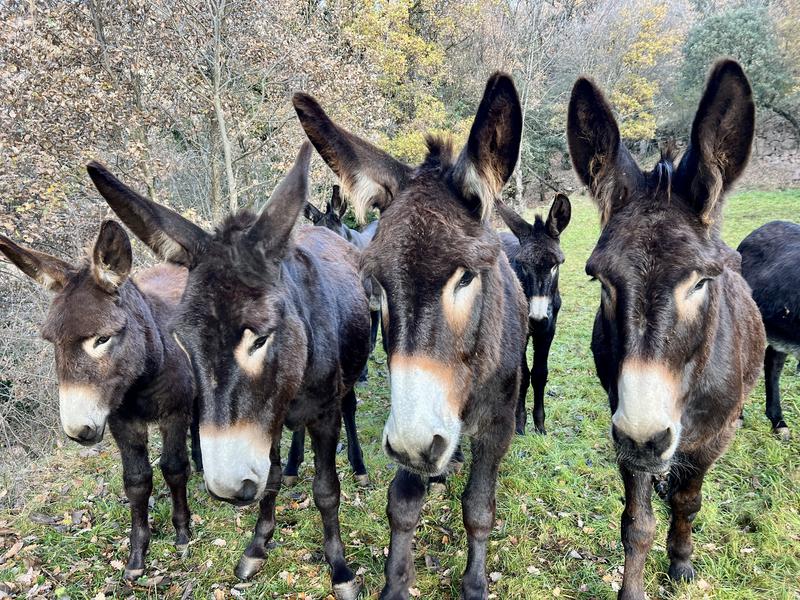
column 95, row 325
column 335, row 210
column 438, row 263
column 539, row 254
column 233, row 323
column 657, row 257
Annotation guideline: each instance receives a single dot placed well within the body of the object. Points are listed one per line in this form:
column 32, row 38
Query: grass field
column 558, row 501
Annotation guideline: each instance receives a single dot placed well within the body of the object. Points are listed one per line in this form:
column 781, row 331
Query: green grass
column 558, row 495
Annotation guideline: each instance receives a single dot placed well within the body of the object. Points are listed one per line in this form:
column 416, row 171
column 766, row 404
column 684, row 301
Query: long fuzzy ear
column 312, row 213
column 48, row 271
column 518, row 226
column 722, row 135
column 368, row 176
column 164, row 231
column 271, row 231
column 112, row 257
column 600, row 159
column 488, row 160
column 559, row 216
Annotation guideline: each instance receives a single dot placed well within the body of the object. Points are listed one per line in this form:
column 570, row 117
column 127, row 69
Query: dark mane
column 661, row 176
column 440, row 153
column 231, row 228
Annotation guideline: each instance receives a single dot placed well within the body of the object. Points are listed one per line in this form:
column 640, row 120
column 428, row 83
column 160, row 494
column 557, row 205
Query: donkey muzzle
column 236, row 462
column 83, row 416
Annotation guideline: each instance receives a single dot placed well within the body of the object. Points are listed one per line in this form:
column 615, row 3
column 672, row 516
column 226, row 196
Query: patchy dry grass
column 558, row 503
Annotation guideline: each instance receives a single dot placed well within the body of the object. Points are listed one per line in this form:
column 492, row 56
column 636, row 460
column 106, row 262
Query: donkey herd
column 262, row 325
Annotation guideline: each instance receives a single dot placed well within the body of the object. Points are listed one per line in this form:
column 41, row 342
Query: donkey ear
column 487, row 161
column 339, row 206
column 518, row 226
column 369, row 177
column 48, row 271
column 722, row 134
column 112, row 257
column 275, row 223
column 601, row 161
column 312, row 213
column 558, row 218
column 165, row 232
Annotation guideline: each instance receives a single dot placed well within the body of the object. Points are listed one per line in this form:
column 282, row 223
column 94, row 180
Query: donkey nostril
column 248, row 491
column 661, row 442
column 86, row 434
column 437, row 448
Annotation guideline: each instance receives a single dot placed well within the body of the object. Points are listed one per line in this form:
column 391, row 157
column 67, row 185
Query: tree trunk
column 218, row 17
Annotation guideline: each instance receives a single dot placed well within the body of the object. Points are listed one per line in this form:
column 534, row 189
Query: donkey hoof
column 349, row 590
column 540, row 430
column 362, row 480
column 247, row 567
column 681, row 571
column 289, row 480
column 782, row 433
column 739, row 423
column 182, row 550
column 133, row 574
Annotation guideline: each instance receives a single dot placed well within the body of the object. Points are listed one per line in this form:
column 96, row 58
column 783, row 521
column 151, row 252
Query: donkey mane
column 440, row 154
column 229, row 231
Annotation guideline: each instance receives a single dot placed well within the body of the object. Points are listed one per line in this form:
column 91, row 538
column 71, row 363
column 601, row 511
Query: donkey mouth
column 644, row 464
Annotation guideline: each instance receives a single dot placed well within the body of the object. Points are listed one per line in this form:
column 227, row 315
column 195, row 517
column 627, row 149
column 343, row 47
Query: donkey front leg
column 638, row 529
column 197, row 455
column 324, row 436
column 137, row 477
column 295, row 458
column 541, row 352
column 354, row 455
column 478, row 506
column 405, row 499
column 524, row 383
column 174, row 465
column 255, row 554
column 773, row 366
column 685, row 500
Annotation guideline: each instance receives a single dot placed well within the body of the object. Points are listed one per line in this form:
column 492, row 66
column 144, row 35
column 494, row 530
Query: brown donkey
column 454, row 314
column 677, row 341
column 277, row 330
column 118, row 367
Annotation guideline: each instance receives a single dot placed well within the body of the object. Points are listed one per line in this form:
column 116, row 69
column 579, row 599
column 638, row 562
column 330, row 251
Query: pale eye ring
column 101, row 339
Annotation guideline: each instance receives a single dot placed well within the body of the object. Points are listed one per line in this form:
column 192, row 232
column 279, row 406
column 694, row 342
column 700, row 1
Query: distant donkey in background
column 118, row 366
column 275, row 324
column 771, row 265
column 677, row 341
column 535, row 255
column 453, row 313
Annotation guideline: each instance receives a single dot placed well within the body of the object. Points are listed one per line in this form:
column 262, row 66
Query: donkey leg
column 685, row 500
column 773, row 367
column 638, row 529
column 175, row 467
column 541, row 352
column 324, row 437
column 405, row 498
column 478, row 506
column 197, row 456
column 255, row 554
column 354, row 455
column 137, row 477
column 374, row 323
column 295, row 458
column 524, row 383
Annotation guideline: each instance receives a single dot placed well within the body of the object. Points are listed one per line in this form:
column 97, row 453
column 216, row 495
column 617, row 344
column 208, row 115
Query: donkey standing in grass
column 677, row 340
column 118, row 367
column 771, row 265
column 453, row 313
column 276, row 330
column 535, row 255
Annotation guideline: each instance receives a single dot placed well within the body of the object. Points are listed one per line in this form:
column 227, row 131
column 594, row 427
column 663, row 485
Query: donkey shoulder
column 163, row 282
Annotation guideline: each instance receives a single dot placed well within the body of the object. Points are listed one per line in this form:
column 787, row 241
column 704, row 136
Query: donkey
column 453, row 312
column 332, row 218
column 118, row 367
column 535, row 254
column 276, row 328
column 677, row 339
column 771, row 265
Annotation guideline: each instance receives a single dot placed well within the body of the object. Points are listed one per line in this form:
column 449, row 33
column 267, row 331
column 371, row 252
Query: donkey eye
column 258, row 343
column 466, row 279
column 554, row 270
column 100, row 340
column 701, row 284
